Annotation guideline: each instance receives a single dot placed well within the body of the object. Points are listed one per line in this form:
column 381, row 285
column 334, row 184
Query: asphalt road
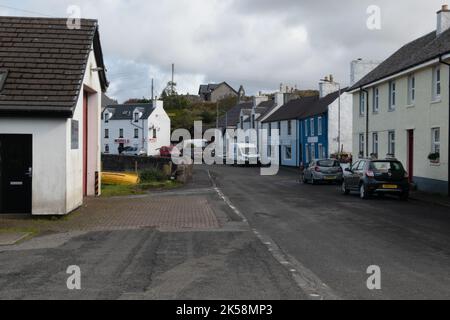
column 338, row 237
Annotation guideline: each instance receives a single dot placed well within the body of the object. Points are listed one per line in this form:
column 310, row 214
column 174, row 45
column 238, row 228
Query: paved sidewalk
column 167, row 213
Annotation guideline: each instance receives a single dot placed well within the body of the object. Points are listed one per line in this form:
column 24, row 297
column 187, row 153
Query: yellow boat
column 119, row 178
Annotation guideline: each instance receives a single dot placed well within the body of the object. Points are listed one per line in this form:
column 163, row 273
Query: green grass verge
column 129, row 190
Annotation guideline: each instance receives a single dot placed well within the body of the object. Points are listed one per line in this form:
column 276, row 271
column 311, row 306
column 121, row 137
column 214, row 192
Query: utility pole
column 173, row 76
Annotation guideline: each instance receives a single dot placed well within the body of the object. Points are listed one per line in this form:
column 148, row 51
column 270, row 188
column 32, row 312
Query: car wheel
column 363, row 194
column 344, row 189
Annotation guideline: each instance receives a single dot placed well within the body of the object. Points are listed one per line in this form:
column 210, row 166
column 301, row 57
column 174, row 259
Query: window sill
column 435, row 164
column 409, row 106
column 391, row 109
column 436, row 101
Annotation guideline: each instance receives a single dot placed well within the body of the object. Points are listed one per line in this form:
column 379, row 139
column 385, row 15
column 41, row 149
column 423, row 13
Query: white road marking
column 303, row 277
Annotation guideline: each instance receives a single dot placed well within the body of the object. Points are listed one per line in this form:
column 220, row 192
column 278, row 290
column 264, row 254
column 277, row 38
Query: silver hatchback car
column 325, row 170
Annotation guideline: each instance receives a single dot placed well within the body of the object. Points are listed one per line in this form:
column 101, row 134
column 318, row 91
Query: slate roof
column 208, row 88
column 125, row 111
column 46, row 62
column 304, row 107
column 419, row 51
column 265, row 107
column 231, row 119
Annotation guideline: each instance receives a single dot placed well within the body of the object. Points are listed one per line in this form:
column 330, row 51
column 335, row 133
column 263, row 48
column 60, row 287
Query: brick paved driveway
column 167, row 213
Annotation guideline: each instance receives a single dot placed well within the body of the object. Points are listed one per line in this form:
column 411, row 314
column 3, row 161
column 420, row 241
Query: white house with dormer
column 146, row 127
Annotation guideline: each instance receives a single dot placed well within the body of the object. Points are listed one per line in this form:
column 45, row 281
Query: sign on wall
column 75, row 131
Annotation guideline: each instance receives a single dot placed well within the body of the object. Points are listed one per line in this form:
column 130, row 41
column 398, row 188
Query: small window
column 121, row 133
column 312, row 127
column 392, row 95
column 308, row 153
column 288, row 153
column 411, row 89
column 376, row 100
column 136, row 133
column 436, row 83
column 436, row 140
column 253, row 121
column 321, row 152
column 136, row 117
column 313, row 151
column 154, row 133
column 361, row 145
column 107, row 116
column 106, row 148
column 270, row 129
column 289, row 124
column 362, row 103
column 391, row 146
column 375, row 143
column 319, row 126
column 106, row 133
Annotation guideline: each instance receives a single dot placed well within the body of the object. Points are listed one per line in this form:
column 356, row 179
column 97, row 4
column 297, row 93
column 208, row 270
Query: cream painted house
column 401, row 108
column 50, row 106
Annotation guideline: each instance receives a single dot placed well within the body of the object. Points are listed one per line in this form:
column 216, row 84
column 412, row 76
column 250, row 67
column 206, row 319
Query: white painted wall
column 58, row 170
column 422, row 117
column 346, row 124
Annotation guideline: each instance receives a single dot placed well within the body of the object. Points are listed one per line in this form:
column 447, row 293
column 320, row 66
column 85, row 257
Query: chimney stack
column 443, row 20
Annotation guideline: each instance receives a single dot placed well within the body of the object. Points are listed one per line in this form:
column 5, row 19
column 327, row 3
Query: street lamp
column 330, row 80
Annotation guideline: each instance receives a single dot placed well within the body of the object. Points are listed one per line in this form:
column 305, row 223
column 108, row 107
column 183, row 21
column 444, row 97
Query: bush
column 152, row 175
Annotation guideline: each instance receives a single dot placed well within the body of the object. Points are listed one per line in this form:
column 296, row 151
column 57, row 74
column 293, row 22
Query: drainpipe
column 367, row 120
column 448, row 126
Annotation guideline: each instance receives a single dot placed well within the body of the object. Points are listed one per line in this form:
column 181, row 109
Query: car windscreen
column 386, row 166
column 328, row 163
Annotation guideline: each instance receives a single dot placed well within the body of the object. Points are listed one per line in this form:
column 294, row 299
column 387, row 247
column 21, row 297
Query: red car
column 168, row 151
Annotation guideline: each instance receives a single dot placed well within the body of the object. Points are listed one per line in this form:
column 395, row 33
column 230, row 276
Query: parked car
column 324, row 170
column 377, row 177
column 168, row 151
column 133, row 151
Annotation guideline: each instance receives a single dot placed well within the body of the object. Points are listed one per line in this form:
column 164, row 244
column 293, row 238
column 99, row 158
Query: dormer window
column 107, row 117
column 136, row 117
column 3, row 76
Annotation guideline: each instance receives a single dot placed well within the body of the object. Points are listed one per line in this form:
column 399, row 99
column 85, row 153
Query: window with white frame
column 289, row 128
column 313, row 129
column 411, row 89
column 392, row 95
column 136, row 117
column 436, row 140
column 307, row 153
column 361, row 145
column 391, row 141
column 319, row 126
column 136, row 133
column 270, row 129
column 106, row 148
column 436, row 83
column 313, row 151
column 375, row 143
column 376, row 100
column 120, row 133
column 288, row 153
column 321, row 151
column 362, row 103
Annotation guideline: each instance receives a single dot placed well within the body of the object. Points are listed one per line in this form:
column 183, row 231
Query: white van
column 244, row 153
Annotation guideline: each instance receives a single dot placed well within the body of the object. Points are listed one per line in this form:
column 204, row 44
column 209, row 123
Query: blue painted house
column 304, row 129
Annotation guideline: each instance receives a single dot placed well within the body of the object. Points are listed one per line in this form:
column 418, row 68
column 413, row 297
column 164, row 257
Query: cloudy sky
column 256, row 43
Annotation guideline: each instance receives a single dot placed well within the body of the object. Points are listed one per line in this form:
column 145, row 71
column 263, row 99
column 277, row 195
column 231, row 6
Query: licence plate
column 330, row 178
column 390, row 186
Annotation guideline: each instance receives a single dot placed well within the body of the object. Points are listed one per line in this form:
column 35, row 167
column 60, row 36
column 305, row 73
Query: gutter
column 448, row 126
